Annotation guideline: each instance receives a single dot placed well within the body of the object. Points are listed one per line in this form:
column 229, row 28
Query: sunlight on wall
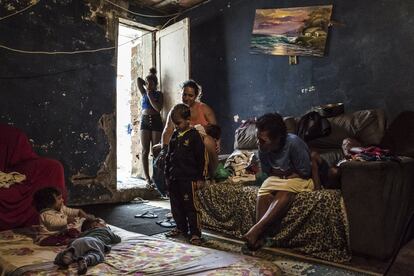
column 124, row 127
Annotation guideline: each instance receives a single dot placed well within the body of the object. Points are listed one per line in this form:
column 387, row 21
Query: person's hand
column 200, row 184
column 218, row 145
column 293, row 175
column 83, row 214
column 90, row 216
column 141, row 81
column 71, row 220
column 160, row 159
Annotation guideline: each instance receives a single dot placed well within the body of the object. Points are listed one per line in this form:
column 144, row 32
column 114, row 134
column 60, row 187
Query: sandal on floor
column 168, row 223
column 195, row 240
column 150, row 185
column 138, row 200
column 146, row 214
column 173, row 233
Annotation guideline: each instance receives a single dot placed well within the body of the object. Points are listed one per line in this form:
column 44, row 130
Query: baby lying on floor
column 90, row 248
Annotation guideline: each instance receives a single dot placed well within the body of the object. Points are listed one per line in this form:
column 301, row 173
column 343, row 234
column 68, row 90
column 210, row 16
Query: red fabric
column 17, row 155
column 61, row 239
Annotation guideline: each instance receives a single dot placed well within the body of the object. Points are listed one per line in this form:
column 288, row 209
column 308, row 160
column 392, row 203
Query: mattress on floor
column 136, row 254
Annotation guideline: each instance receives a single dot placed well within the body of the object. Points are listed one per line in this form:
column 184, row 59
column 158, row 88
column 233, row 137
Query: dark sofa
column 378, row 195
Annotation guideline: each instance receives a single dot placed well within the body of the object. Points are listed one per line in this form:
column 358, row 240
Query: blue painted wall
column 367, row 63
column 58, row 100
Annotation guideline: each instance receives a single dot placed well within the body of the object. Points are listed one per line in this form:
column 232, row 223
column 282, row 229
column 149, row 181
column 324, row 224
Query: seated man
column 285, row 158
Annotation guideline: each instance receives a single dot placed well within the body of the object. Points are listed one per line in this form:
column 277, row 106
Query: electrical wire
column 175, row 15
column 168, row 21
column 70, row 52
column 22, row 10
column 64, row 71
column 140, row 14
column 57, row 52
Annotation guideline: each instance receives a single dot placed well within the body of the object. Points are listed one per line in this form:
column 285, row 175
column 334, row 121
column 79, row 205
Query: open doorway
column 140, row 48
column 134, row 57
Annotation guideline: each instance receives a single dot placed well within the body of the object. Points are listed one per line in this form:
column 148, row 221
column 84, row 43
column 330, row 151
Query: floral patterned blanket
column 135, row 255
column 316, row 223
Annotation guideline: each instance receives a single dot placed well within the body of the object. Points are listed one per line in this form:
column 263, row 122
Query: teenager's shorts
column 151, row 122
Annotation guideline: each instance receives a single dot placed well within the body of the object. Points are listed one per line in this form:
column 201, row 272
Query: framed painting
column 300, row 31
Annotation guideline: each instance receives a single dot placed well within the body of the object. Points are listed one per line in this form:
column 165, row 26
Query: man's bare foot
column 253, row 244
column 250, row 240
column 196, row 240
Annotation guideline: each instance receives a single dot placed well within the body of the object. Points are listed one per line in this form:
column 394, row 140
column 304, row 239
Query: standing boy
column 185, row 170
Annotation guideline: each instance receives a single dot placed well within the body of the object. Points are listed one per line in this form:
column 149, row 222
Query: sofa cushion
column 399, row 137
column 332, row 156
column 378, row 198
column 367, row 126
column 245, row 136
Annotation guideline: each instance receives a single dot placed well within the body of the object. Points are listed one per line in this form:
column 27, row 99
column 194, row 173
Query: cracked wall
column 65, row 103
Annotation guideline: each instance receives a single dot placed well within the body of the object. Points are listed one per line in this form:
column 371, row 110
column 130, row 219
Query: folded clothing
column 8, row 179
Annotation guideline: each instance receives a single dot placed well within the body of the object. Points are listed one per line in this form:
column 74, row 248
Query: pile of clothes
column 242, row 166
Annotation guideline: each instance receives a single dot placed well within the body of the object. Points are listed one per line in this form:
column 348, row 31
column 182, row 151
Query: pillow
column 245, row 136
column 367, row 126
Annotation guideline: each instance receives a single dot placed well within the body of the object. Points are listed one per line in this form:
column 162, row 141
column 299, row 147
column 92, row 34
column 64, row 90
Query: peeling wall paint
column 104, row 182
column 65, row 104
column 105, row 15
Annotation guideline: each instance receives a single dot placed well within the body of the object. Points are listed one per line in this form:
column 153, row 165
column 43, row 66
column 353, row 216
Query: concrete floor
column 160, row 203
column 403, row 265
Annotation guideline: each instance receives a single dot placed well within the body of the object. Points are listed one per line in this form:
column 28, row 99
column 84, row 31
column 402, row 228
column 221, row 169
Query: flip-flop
column 150, row 186
column 196, row 241
column 146, row 214
column 138, row 200
column 168, row 223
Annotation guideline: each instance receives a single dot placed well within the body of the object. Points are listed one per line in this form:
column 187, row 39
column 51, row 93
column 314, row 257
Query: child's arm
column 53, row 222
column 114, row 237
column 200, row 156
column 167, row 166
column 82, row 214
column 73, row 212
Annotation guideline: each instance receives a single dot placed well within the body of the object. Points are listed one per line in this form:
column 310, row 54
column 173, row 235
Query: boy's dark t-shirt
column 103, row 234
column 186, row 157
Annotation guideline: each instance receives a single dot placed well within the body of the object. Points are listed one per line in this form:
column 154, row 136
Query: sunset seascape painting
column 300, row 31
